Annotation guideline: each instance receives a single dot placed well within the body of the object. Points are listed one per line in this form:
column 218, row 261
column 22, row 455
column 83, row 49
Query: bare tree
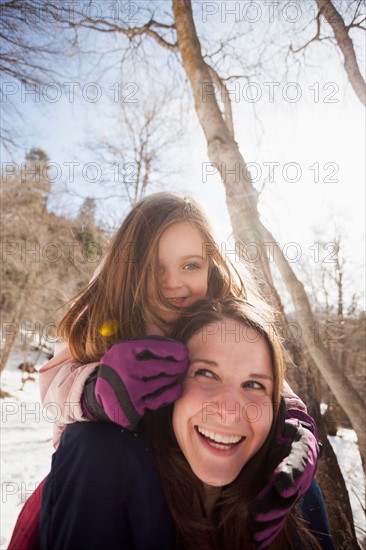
column 344, row 42
column 19, row 194
column 42, row 266
column 134, row 147
column 340, row 322
column 32, row 46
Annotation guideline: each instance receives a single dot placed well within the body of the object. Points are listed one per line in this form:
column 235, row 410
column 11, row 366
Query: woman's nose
column 227, row 404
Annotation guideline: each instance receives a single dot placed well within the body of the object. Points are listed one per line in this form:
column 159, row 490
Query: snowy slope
column 26, row 445
column 349, row 458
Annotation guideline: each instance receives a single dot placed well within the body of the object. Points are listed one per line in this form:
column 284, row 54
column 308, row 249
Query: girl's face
column 225, row 412
column 183, row 268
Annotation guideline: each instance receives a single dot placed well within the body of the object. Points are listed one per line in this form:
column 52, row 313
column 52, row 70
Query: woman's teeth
column 219, row 441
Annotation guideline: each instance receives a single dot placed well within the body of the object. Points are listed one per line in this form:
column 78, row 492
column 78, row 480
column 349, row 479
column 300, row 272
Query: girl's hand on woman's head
column 135, row 375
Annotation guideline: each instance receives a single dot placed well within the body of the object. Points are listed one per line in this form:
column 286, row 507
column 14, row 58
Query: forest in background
column 46, row 258
column 48, row 254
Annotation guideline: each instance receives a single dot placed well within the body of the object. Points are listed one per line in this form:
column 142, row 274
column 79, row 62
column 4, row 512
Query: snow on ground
column 26, row 450
column 26, row 444
column 345, row 447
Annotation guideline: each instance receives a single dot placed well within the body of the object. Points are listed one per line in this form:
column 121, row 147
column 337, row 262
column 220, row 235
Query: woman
column 192, row 480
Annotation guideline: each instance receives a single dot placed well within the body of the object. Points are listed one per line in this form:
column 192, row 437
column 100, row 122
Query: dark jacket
column 104, row 492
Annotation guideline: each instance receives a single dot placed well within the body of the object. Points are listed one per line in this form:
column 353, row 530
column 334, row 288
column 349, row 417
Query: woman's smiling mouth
column 217, row 440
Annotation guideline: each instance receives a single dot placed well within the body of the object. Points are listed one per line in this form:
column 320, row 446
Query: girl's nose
column 170, row 279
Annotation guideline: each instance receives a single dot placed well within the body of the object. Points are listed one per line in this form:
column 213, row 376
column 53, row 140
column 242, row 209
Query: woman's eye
column 253, row 384
column 204, row 373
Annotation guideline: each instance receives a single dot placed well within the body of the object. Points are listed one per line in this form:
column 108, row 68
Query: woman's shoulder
column 106, row 451
column 110, row 445
column 93, row 433
column 105, row 476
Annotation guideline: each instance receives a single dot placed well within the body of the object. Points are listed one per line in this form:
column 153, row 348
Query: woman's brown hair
column 229, row 524
column 125, row 292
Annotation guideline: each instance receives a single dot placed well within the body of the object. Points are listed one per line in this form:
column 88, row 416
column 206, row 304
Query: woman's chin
column 216, row 479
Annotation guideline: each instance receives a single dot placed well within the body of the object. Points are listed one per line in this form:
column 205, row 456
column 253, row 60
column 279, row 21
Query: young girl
column 161, row 260
column 189, row 479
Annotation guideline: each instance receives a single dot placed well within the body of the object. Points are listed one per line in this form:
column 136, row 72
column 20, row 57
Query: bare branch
column 160, row 40
column 315, row 38
column 236, row 77
column 131, row 32
column 357, row 25
column 355, row 14
column 345, row 44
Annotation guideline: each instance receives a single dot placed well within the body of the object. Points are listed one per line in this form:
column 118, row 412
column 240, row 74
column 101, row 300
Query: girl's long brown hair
column 229, row 524
column 125, row 292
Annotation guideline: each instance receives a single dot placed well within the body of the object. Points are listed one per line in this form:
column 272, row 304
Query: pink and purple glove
column 291, row 467
column 135, row 375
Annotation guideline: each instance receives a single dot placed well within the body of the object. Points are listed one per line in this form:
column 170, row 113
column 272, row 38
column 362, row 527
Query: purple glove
column 291, row 464
column 135, row 375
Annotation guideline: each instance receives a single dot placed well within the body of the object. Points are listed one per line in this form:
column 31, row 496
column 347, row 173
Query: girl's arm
column 61, row 382
column 135, row 375
column 131, row 377
column 292, row 400
column 291, row 466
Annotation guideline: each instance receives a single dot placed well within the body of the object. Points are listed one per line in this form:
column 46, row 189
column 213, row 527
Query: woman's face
column 183, row 267
column 225, row 412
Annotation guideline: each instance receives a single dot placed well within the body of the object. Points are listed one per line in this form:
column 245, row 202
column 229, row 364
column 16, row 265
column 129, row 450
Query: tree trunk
column 345, row 393
column 345, row 44
column 22, row 301
column 7, row 350
column 223, row 152
column 334, row 491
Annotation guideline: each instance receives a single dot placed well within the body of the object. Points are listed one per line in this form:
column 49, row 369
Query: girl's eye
column 254, row 385
column 190, row 266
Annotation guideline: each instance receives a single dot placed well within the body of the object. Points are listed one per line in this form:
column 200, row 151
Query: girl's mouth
column 177, row 302
column 219, row 441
